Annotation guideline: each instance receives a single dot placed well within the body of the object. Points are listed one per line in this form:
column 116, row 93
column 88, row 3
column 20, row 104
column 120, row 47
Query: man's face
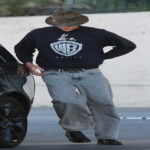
column 68, row 28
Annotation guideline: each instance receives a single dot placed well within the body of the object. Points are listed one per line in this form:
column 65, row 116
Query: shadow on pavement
column 129, row 145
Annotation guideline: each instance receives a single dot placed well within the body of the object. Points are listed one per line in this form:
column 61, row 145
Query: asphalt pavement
column 44, row 133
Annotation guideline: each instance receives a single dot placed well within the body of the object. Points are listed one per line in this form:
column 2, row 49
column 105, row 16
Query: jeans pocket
column 50, row 73
column 93, row 72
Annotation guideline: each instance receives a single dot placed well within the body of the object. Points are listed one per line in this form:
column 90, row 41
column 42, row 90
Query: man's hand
column 34, row 69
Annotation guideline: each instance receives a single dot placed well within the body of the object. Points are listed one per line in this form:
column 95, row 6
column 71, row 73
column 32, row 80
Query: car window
column 10, row 65
column 2, row 60
column 7, row 62
column 6, row 57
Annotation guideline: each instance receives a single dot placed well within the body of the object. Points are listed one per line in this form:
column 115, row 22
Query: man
column 69, row 57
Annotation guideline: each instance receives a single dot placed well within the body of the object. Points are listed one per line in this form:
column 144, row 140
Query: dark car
column 17, row 88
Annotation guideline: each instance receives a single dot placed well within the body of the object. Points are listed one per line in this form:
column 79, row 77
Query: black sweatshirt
column 80, row 48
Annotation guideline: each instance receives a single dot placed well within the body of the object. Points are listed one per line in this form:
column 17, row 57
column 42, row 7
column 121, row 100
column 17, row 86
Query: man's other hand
column 34, row 69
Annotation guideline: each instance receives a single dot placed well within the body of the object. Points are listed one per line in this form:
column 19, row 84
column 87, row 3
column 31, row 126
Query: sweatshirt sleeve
column 120, row 45
column 25, row 48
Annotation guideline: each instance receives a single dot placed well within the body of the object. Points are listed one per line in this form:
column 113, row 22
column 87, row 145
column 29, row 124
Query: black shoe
column 108, row 142
column 77, row 137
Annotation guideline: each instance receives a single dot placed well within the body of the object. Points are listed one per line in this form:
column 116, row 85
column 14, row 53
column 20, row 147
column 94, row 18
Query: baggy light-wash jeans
column 83, row 99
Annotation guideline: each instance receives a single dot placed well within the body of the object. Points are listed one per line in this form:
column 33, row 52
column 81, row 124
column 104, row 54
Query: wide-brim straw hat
column 66, row 18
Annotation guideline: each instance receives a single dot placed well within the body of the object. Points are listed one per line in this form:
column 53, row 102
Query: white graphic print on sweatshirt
column 66, row 46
